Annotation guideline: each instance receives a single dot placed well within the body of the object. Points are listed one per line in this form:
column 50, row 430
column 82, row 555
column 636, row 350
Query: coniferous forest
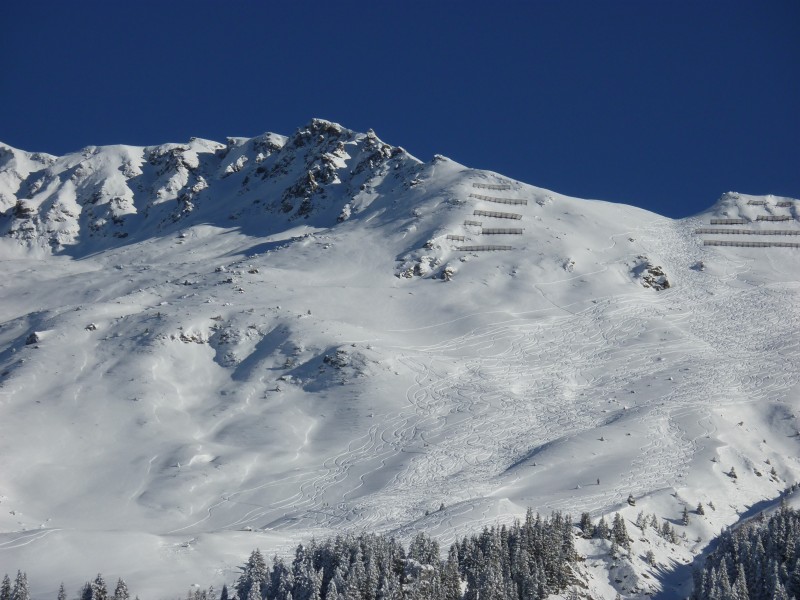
column 527, row 560
column 757, row 561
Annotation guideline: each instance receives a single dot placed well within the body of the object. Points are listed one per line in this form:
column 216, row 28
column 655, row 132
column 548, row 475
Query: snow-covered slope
column 206, row 347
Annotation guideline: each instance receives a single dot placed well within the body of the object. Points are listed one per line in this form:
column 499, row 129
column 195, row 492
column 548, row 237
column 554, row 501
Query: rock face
column 650, row 275
column 91, row 199
column 655, row 278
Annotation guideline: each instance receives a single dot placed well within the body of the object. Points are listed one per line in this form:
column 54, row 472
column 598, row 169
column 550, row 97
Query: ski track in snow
column 562, row 389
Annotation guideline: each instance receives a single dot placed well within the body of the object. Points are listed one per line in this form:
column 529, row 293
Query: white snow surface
column 207, row 348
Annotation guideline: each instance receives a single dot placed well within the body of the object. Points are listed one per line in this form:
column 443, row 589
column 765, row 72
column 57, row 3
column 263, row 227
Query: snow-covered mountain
column 211, row 347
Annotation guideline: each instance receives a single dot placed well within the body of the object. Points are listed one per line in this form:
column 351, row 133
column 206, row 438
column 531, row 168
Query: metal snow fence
column 501, row 231
column 499, row 200
column 729, row 221
column 485, row 248
column 458, row 238
column 496, row 215
column 707, row 230
column 751, row 244
column 773, row 218
column 492, row 186
column 757, row 202
column 476, row 223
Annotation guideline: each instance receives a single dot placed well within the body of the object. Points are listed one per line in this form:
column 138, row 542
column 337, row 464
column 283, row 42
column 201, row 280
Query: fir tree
column 619, row 533
column 99, row 589
column 586, row 525
column 740, row 585
column 254, row 571
column 62, row 593
column 20, row 590
column 602, row 531
column 87, row 593
column 666, row 532
column 5, row 588
column 121, row 591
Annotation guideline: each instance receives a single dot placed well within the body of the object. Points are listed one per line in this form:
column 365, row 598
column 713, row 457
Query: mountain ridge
column 114, row 190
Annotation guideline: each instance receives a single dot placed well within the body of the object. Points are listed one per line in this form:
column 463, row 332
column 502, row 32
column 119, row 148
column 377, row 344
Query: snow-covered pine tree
column 255, row 570
column 586, row 525
column 121, row 591
column 281, row 580
column 5, row 588
column 306, row 582
column 619, row 533
column 20, row 589
column 331, row 591
column 451, row 580
column 424, row 549
column 99, row 589
column 740, row 585
column 602, row 531
column 87, row 593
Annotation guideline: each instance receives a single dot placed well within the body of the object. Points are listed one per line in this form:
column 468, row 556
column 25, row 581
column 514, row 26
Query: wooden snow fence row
column 729, row 221
column 707, row 230
column 501, row 231
column 785, row 203
column 499, row 200
column 476, row 223
column 492, row 186
column 757, row 202
column 751, row 244
column 773, row 218
column 485, row 248
column 496, row 215
column 458, row 238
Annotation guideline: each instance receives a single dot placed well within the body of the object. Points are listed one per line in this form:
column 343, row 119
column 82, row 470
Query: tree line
column 528, row 560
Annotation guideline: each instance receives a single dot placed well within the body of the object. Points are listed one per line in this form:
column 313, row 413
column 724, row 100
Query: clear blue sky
column 661, row 104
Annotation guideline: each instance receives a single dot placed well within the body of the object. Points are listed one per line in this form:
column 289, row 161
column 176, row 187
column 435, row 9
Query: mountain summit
column 211, row 347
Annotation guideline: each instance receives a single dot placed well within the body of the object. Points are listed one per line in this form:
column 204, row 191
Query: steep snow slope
column 211, row 347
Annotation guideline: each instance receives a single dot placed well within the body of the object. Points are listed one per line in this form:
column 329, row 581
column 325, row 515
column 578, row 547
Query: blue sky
column 665, row 105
